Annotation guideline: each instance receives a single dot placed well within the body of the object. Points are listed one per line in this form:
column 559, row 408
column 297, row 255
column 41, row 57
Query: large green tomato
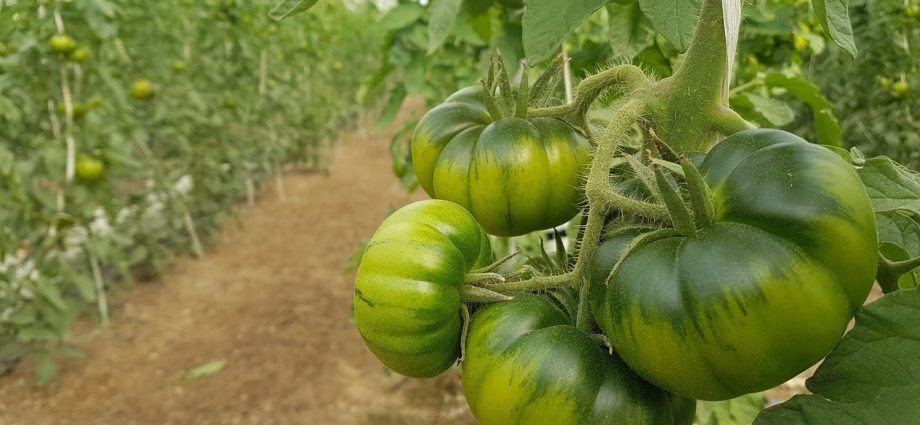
column 516, row 176
column 527, row 364
column 407, row 288
column 761, row 294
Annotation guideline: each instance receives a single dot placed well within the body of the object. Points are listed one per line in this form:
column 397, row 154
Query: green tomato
column 516, row 176
column 761, row 294
column 89, row 169
column 526, row 363
column 81, row 54
column 142, row 89
column 913, row 11
column 884, row 83
column 407, row 288
column 61, row 43
column 900, row 88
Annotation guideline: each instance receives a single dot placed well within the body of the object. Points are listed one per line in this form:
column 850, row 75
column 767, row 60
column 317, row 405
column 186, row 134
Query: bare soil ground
column 273, row 301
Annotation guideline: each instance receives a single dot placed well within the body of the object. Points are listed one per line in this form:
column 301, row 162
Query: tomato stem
column 889, row 272
column 464, row 331
column 477, row 294
column 583, row 316
column 494, row 266
column 479, row 279
column 535, row 283
column 504, row 85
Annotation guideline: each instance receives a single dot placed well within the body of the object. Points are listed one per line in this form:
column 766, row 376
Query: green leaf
column 826, row 124
column 288, row 8
column 443, row 15
column 834, row 17
column 394, row 104
column 401, row 16
column 46, row 369
column 206, row 370
column 630, row 31
column 736, row 411
column 774, row 111
column 871, row 377
column 673, row 19
column 547, row 23
column 890, row 185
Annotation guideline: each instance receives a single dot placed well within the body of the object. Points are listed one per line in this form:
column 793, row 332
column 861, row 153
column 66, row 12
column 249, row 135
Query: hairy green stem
column 680, row 215
column 583, row 315
column 535, row 283
column 483, row 278
column 476, row 294
column 627, row 78
column 728, row 122
column 523, row 94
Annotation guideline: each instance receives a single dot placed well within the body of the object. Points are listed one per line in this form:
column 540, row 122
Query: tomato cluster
column 780, row 253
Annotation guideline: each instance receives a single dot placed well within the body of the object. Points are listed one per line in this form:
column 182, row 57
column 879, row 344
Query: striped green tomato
column 527, row 364
column 761, row 294
column 516, row 176
column 407, row 288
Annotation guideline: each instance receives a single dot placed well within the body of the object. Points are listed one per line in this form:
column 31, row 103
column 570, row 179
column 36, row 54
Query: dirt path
column 272, row 301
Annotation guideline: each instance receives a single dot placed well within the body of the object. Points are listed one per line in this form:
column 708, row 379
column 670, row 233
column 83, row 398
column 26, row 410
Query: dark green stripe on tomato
column 407, row 288
column 767, row 290
column 527, row 363
column 516, row 176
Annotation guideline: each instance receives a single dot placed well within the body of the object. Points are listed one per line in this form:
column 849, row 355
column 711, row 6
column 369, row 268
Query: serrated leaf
column 673, row 19
column 871, row 377
column 774, row 111
column 288, row 8
column 443, row 15
column 835, row 19
column 206, row 370
column 547, row 23
column 891, row 186
column 630, row 31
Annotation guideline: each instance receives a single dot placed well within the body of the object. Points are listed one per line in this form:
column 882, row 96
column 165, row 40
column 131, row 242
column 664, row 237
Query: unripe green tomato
column 142, row 89
column 800, row 43
column 762, row 293
column 913, row 11
column 61, row 43
column 89, row 169
column 900, row 88
column 884, row 83
column 179, row 66
column 79, row 109
column 81, row 54
column 514, row 175
column 526, row 363
column 407, row 287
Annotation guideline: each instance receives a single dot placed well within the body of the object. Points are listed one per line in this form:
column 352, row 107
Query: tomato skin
column 515, row 175
column 761, row 294
column 89, row 169
column 142, row 89
column 61, row 43
column 527, row 364
column 407, row 299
